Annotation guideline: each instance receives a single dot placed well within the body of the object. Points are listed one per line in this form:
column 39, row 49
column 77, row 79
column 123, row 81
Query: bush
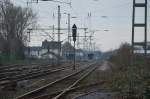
column 125, row 69
column 4, row 59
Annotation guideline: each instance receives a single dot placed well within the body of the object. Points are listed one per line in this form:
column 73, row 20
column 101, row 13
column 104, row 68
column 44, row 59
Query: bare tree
column 13, row 25
column 123, row 56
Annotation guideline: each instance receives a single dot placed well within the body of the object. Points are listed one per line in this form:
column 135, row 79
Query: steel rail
column 31, row 76
column 49, row 96
column 14, row 72
column 31, row 93
column 75, row 83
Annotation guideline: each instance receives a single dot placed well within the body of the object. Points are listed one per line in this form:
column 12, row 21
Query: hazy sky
column 118, row 20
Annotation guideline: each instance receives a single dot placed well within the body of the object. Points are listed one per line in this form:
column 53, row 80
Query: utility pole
column 69, row 39
column 85, row 41
column 59, row 49
column 78, row 40
column 53, row 36
column 89, row 21
column 137, row 25
column 134, row 44
column 58, row 23
column 145, row 30
column 28, row 42
column 53, row 33
column 90, row 44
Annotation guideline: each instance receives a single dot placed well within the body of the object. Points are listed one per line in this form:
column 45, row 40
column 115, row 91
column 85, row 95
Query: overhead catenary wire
column 118, row 5
column 113, row 7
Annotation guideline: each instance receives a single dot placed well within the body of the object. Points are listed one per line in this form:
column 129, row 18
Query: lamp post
column 68, row 26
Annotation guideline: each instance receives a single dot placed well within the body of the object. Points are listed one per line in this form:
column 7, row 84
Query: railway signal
column 74, row 34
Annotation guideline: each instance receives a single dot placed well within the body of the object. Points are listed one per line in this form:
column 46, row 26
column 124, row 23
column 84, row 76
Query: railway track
column 63, row 84
column 29, row 71
column 23, row 75
column 13, row 73
column 19, row 66
column 7, row 81
column 8, row 72
column 25, row 72
column 21, row 85
column 17, row 69
column 28, row 76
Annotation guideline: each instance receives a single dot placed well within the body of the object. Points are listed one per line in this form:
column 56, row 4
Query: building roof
column 51, row 44
column 34, row 48
column 67, row 47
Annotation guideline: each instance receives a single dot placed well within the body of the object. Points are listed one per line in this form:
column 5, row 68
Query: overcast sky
column 118, row 20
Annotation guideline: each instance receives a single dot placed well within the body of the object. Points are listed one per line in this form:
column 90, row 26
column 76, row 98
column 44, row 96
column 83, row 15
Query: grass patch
column 9, row 59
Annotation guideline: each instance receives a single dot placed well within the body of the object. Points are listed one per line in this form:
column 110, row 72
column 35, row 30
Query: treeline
column 14, row 21
column 122, row 58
